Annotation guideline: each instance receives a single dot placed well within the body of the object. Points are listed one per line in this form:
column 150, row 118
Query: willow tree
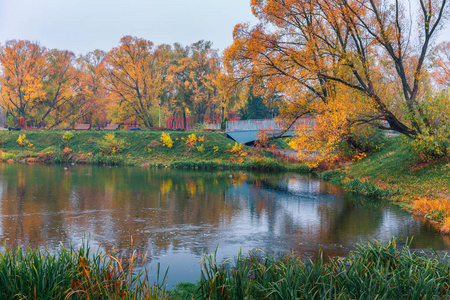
column 345, row 61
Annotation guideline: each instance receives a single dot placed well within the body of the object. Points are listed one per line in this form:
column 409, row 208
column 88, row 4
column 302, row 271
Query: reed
column 75, row 274
column 373, row 271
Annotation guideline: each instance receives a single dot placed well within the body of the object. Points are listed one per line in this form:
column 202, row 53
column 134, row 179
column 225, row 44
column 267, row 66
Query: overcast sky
column 85, row 25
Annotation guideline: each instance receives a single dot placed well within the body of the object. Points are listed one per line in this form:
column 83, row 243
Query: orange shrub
column 437, row 209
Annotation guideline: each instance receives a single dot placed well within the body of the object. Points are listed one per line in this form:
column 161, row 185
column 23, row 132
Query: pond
column 176, row 216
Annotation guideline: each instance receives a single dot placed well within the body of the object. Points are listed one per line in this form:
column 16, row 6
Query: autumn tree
column 91, row 89
column 58, row 83
column 23, row 65
column 230, row 94
column 441, row 63
column 136, row 71
column 201, row 86
column 345, row 62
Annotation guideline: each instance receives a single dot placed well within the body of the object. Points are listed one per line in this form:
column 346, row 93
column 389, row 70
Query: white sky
column 84, row 25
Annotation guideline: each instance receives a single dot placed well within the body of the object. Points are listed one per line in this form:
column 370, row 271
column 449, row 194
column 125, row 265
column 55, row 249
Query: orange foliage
column 22, row 79
column 137, row 72
column 436, row 209
column 344, row 62
column 441, row 63
column 93, row 99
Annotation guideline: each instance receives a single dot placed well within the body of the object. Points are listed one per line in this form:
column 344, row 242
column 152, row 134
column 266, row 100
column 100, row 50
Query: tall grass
column 75, row 274
column 373, row 271
column 264, row 164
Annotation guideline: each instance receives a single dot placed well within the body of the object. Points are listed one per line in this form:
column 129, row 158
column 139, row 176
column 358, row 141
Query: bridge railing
column 265, row 124
column 215, row 126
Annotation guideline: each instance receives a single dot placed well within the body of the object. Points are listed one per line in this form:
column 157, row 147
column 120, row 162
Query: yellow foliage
column 201, row 148
column 67, row 135
column 191, row 140
column 22, row 141
column 331, row 126
column 359, row 155
column 238, row 150
column 166, row 140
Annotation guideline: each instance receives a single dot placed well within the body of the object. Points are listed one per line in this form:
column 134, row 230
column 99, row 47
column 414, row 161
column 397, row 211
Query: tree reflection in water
column 178, row 215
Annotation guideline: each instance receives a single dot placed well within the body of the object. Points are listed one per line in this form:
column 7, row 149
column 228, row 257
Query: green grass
column 397, row 170
column 373, row 271
column 138, row 148
column 280, row 143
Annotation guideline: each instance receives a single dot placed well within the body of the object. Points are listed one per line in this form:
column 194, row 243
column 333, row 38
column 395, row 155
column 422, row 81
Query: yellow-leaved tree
column 137, row 72
column 22, row 87
column 344, row 63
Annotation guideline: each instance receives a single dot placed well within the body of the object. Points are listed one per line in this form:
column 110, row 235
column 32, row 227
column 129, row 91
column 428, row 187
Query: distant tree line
column 130, row 82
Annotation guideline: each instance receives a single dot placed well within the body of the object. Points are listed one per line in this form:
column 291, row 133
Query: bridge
column 246, row 131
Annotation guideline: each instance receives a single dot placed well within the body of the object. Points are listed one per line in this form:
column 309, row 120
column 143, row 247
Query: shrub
column 223, row 124
column 430, row 147
column 68, row 135
column 22, row 141
column 201, row 148
column 365, row 188
column 191, row 140
column 330, row 175
column 366, row 138
column 434, row 140
column 166, row 140
column 110, row 145
column 238, row 150
column 67, row 151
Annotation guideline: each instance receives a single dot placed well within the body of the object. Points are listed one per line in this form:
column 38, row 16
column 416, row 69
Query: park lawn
column 140, row 148
column 395, row 167
column 137, row 144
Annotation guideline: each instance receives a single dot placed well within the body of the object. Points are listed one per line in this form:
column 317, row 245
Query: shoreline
column 394, row 173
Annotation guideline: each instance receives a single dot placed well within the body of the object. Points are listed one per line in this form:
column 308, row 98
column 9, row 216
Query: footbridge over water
column 248, row 131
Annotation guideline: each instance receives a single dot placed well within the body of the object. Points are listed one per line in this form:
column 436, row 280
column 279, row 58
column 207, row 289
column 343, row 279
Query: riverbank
column 174, row 149
column 396, row 173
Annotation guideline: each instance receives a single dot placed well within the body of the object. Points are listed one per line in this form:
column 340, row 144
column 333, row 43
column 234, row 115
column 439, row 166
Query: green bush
column 365, row 188
column 223, row 124
column 110, row 145
column 330, row 175
column 433, row 142
column 363, row 138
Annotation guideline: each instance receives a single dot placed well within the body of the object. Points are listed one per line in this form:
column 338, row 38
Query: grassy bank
column 397, row 173
column 204, row 150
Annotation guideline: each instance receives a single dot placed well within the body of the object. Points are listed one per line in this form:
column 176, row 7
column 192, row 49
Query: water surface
column 176, row 216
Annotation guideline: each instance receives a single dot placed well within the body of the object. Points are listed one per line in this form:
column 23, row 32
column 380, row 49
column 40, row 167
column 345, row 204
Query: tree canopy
column 344, row 62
